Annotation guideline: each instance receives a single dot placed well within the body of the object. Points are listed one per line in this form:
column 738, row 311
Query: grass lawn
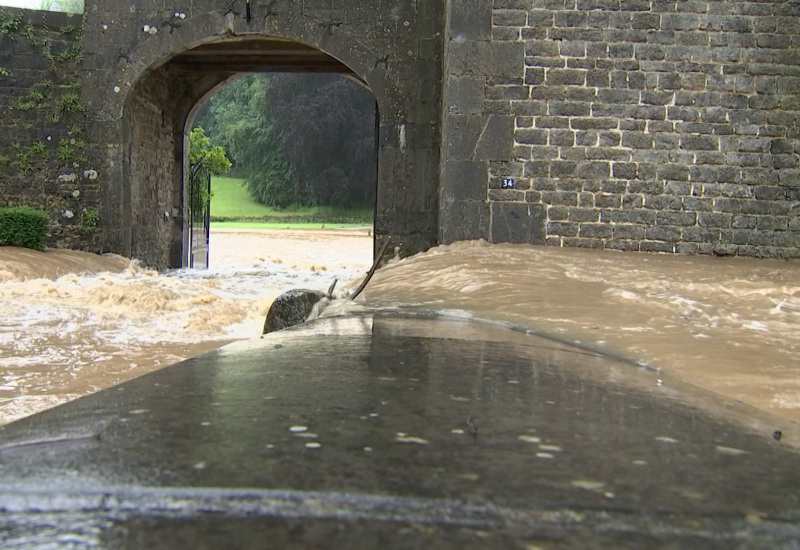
column 232, row 204
column 284, row 225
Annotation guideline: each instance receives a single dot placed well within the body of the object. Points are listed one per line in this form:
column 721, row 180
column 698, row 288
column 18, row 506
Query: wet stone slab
column 374, row 431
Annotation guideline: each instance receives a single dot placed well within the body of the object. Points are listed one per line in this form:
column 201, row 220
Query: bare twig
column 371, row 272
column 329, row 294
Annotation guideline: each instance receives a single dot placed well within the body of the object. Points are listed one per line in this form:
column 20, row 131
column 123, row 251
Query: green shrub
column 23, row 226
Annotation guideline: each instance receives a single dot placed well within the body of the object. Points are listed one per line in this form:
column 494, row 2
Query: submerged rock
column 291, row 308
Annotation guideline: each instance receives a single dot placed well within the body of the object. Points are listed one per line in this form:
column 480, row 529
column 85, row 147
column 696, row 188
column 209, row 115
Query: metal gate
column 199, row 216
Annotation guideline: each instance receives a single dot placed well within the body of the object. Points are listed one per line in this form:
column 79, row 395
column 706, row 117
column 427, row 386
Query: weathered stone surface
column 141, row 94
column 654, row 105
column 291, row 308
column 685, row 108
column 518, row 223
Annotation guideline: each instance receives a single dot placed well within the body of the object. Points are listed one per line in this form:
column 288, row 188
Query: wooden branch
column 371, row 272
column 329, row 294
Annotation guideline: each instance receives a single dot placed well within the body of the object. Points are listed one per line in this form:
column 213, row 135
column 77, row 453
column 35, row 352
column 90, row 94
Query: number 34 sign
column 507, row 183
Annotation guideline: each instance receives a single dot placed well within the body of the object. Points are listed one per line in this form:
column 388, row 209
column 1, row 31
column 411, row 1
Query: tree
column 327, row 133
column 240, row 120
column 205, row 160
column 298, row 139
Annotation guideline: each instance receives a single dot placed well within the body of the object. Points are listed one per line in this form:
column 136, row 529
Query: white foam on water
column 731, row 325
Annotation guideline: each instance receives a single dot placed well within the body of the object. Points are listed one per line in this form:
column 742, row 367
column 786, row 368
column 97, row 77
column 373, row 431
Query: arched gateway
column 154, row 88
column 650, row 126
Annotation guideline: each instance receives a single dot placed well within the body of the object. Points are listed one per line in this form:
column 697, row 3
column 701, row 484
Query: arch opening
column 157, row 121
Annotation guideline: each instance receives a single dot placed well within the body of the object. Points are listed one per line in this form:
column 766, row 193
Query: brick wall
column 629, row 124
column 648, row 125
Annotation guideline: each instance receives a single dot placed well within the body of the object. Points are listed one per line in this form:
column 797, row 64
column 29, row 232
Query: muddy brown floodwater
column 74, row 323
column 729, row 325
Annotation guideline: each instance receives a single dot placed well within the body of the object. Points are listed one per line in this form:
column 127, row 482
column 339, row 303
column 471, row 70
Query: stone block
column 595, row 230
column 607, row 200
column 593, row 123
column 714, row 220
column 663, row 202
column 763, row 207
column 506, row 195
column 493, row 59
column 676, row 172
column 637, row 140
column 583, row 215
column 676, row 218
column 773, row 223
column 470, row 20
column 561, row 169
column 517, row 223
column 565, row 77
column 582, row 242
column 509, row 17
column 657, row 246
column 465, row 95
column 649, row 187
column 729, row 205
column 495, row 141
column 624, row 245
column 564, row 198
column 531, row 136
column 464, row 220
column 562, row 138
column 593, row 170
column 464, row 180
column 629, row 231
column 568, row 108
column 573, row 185
column 632, row 202
column 562, row 229
column 624, row 170
column 692, row 142
column 787, row 239
column 695, row 204
column 558, row 213
column 700, row 235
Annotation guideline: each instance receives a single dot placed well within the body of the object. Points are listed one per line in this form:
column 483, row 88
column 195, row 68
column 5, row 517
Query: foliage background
column 297, row 139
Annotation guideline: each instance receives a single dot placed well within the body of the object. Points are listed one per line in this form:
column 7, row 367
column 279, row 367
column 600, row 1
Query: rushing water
column 730, row 325
column 74, row 323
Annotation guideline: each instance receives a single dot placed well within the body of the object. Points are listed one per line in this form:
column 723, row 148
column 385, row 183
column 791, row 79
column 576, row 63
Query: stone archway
column 326, row 164
column 159, row 83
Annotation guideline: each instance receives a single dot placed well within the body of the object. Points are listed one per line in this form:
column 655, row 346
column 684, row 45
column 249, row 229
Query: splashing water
column 74, row 323
column 731, row 325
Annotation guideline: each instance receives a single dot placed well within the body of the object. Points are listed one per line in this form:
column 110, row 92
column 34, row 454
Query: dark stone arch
column 142, row 206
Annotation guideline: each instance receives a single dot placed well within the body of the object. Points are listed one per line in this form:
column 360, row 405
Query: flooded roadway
column 730, row 325
column 74, row 323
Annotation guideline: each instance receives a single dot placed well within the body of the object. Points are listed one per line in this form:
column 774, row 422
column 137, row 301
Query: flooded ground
column 74, row 323
column 730, row 325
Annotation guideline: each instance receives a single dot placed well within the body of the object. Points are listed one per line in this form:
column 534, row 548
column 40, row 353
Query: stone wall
column 157, row 199
column 653, row 125
column 142, row 101
column 138, row 102
column 650, row 125
column 43, row 124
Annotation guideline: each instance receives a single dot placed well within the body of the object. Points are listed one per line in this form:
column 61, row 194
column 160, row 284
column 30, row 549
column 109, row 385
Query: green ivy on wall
column 56, row 97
